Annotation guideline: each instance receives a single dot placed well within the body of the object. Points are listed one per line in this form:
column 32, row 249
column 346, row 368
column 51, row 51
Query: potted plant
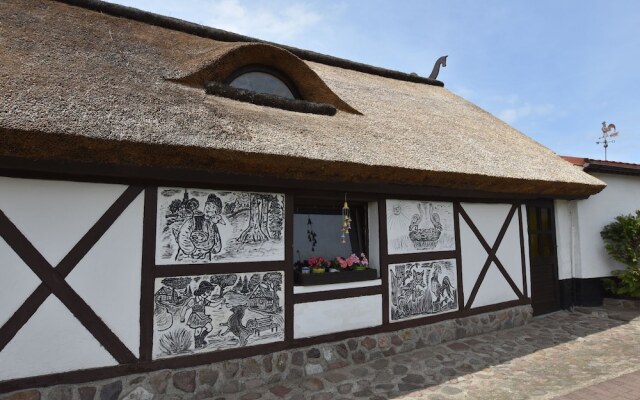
column 353, row 262
column 318, row 265
column 350, row 269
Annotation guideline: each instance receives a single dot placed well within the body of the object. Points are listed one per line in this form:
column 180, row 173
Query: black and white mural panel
column 210, row 226
column 204, row 313
column 421, row 289
column 419, row 226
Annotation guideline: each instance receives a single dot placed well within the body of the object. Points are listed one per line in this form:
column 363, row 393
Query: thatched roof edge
column 41, row 147
column 176, row 24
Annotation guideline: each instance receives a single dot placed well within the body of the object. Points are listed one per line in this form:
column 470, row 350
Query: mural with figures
column 423, row 288
column 197, row 314
column 207, row 226
column 419, row 226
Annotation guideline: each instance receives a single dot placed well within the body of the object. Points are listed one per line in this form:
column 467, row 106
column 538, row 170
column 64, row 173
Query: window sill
column 336, row 286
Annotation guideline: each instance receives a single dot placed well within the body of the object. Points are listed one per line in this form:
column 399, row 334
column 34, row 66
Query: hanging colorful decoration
column 346, row 221
column 311, row 235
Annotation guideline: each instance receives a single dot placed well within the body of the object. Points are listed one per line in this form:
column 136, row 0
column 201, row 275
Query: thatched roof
column 79, row 84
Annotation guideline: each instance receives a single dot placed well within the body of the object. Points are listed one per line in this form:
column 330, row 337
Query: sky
column 553, row 69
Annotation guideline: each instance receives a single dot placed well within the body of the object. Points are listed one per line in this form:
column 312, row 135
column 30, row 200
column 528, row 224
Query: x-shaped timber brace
column 53, row 279
column 491, row 254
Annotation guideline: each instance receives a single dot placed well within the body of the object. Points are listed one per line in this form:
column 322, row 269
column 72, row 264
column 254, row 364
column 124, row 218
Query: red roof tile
column 592, row 165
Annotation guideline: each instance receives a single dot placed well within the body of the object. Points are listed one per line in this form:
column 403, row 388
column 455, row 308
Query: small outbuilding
column 582, row 257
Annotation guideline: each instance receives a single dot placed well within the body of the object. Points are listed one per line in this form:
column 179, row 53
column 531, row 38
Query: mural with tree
column 205, row 313
column 209, row 226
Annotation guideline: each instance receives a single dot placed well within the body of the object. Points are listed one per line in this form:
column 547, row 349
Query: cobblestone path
column 553, row 355
column 624, row 387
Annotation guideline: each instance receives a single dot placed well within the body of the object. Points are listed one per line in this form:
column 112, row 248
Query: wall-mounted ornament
column 346, row 221
column 442, row 61
column 311, row 235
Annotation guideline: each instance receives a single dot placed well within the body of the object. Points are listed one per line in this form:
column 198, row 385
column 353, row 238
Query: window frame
column 359, row 237
column 265, row 70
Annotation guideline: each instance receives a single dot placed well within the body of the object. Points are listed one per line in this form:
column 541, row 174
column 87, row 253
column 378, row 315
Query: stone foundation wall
column 235, row 375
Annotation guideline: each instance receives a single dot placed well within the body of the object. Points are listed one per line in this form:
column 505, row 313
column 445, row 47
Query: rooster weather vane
column 608, row 131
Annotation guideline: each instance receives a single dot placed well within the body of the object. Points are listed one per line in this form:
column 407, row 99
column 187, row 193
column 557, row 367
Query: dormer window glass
column 262, row 80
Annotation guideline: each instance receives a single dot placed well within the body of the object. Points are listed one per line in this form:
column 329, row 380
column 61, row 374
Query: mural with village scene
column 207, row 226
column 195, row 314
column 419, row 226
column 423, row 288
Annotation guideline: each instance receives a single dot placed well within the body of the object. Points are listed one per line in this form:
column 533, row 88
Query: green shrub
column 622, row 241
column 627, row 284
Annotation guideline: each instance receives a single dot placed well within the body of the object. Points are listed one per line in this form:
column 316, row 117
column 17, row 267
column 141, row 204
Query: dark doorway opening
column 545, row 291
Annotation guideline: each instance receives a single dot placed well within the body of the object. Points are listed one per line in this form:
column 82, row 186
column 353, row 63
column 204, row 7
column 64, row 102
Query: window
column 317, row 233
column 263, row 80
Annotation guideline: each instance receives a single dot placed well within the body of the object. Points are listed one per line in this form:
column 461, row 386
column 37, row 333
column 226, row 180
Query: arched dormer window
column 264, row 75
column 264, row 80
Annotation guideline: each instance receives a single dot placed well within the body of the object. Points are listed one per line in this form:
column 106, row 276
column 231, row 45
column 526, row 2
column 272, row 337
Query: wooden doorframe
column 553, row 259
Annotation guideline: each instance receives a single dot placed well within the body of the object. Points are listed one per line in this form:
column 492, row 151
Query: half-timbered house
column 142, row 155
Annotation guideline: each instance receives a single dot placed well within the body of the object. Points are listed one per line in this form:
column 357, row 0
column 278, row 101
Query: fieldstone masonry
column 233, row 376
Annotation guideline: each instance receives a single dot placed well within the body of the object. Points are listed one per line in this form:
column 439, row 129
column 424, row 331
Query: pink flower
column 343, row 263
column 364, row 260
column 353, row 259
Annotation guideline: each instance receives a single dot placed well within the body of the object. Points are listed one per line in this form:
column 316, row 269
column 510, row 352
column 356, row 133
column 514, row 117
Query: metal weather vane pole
column 608, row 131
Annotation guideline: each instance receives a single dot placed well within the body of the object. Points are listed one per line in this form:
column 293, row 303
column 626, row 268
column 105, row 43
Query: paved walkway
column 554, row 355
column 625, row 387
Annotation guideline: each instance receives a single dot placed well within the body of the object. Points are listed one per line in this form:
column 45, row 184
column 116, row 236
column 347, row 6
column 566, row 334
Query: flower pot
column 338, row 277
column 318, row 270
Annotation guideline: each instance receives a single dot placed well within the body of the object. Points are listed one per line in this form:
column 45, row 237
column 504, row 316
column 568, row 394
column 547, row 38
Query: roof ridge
column 192, row 28
column 598, row 161
column 635, row 165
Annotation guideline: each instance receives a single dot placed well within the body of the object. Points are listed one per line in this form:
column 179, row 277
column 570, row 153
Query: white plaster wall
column 494, row 289
column 330, row 316
column 563, row 238
column 336, row 286
column 621, row 196
column 17, row 282
column 509, row 253
column 108, row 277
column 488, row 218
column 52, row 341
column 473, row 257
column 54, row 215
